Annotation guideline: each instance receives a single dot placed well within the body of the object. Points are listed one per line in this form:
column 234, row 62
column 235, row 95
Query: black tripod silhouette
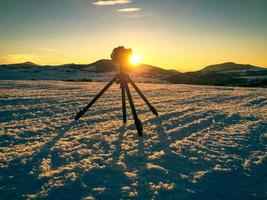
column 121, row 56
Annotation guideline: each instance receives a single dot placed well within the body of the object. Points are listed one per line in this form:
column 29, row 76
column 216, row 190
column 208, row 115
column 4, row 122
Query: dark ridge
column 230, row 66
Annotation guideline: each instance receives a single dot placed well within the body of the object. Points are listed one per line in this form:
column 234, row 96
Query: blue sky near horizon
column 178, row 34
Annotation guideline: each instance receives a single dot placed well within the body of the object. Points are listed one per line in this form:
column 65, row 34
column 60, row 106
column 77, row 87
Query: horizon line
column 55, row 65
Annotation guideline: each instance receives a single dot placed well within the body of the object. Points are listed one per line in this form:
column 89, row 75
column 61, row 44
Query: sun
column 135, row 59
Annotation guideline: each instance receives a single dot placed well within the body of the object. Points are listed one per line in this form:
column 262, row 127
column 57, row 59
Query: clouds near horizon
column 118, row 2
column 125, row 10
column 111, row 2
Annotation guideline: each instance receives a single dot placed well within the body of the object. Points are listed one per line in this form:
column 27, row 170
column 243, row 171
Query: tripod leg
column 81, row 113
column 138, row 123
column 152, row 109
column 123, row 101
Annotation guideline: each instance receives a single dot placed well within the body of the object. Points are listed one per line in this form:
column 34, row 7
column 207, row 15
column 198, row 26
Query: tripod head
column 121, row 56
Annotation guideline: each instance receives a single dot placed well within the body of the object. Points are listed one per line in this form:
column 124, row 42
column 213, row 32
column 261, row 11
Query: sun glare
column 135, row 59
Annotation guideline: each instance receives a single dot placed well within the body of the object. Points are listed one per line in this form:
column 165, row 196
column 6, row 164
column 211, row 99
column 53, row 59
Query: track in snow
column 207, row 143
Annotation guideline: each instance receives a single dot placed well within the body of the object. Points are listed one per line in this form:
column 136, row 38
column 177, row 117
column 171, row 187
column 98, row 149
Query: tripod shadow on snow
column 118, row 143
column 161, row 174
column 18, row 169
column 60, row 131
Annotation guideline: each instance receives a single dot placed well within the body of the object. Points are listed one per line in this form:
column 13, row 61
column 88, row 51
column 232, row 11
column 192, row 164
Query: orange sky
column 187, row 36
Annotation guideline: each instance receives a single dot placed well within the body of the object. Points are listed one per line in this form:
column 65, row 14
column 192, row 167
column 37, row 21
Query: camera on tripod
column 121, row 56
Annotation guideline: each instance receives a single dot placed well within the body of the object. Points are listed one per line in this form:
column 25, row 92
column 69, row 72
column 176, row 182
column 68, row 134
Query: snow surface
column 207, row 143
column 67, row 73
column 251, row 78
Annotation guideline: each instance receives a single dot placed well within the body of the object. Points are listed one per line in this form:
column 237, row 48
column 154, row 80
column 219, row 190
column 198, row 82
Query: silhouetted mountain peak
column 28, row 63
column 106, row 65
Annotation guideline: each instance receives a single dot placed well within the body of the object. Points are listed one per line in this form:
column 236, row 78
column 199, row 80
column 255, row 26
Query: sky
column 185, row 35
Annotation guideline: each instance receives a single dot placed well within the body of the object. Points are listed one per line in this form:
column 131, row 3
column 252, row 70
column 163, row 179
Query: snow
column 243, row 70
column 251, row 78
column 66, row 73
column 207, row 143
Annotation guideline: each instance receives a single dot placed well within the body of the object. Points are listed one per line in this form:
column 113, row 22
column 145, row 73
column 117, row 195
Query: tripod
column 123, row 79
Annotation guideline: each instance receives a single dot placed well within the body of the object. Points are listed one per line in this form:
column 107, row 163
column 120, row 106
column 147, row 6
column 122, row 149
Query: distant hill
column 230, row 66
column 106, row 65
column 101, row 70
column 103, row 65
column 225, row 74
column 18, row 65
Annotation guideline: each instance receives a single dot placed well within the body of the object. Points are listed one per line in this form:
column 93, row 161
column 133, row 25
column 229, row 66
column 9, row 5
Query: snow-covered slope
column 102, row 70
column 207, row 143
column 225, row 74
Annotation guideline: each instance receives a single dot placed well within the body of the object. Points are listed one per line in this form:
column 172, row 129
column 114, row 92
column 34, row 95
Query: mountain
column 101, row 70
column 18, row 65
column 230, row 66
column 106, row 65
column 225, row 74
